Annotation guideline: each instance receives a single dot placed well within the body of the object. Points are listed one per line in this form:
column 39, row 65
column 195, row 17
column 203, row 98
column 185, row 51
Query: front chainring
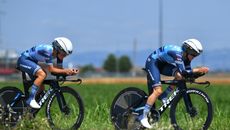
column 153, row 116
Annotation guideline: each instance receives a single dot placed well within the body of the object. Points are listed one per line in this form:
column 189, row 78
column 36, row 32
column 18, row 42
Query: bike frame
column 182, row 87
column 123, row 116
column 54, row 88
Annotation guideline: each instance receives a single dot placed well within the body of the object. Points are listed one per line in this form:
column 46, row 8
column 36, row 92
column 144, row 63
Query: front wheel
column 69, row 118
column 200, row 115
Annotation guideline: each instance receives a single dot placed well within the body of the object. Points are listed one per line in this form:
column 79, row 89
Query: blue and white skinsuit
column 165, row 60
column 28, row 61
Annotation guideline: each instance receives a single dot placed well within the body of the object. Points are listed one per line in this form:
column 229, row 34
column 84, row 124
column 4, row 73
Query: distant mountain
column 215, row 59
column 218, row 59
column 95, row 58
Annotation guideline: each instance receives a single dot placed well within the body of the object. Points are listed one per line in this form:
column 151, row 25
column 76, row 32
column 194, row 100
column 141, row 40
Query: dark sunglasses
column 193, row 53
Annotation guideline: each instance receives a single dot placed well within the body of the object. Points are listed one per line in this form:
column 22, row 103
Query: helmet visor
column 192, row 52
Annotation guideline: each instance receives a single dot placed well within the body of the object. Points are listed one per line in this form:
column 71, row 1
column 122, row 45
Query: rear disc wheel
column 121, row 112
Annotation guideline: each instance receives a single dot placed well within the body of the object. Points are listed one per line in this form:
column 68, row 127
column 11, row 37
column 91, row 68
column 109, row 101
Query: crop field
column 98, row 97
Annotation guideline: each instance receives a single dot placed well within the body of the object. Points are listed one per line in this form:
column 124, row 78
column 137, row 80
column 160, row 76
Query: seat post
column 26, row 83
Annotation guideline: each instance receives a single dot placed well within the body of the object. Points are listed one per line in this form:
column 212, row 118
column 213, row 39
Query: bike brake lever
column 207, row 83
column 78, row 81
column 61, row 79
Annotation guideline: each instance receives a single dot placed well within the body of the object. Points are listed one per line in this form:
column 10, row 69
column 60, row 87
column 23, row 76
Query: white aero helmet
column 192, row 47
column 62, row 44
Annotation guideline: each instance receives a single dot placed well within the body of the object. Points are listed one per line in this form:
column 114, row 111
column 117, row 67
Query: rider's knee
column 158, row 91
column 41, row 74
column 178, row 76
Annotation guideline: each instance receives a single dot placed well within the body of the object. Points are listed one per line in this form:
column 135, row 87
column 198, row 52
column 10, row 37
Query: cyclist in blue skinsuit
column 28, row 62
column 169, row 60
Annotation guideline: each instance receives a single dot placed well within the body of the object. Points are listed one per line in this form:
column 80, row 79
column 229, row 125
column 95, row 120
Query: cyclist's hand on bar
column 71, row 71
column 202, row 70
column 75, row 71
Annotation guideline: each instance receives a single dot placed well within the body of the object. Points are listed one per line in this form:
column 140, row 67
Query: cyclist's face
column 190, row 57
column 61, row 55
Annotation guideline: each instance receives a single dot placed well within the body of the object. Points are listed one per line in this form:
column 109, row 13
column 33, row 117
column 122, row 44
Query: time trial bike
column 64, row 106
column 190, row 108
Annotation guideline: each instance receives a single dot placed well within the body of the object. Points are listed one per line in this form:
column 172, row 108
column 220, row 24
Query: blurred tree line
column 121, row 64
column 112, row 64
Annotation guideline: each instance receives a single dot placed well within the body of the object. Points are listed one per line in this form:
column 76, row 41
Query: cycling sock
column 33, row 92
column 165, row 93
column 146, row 110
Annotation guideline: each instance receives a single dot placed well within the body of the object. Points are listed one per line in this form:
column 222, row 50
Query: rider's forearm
column 195, row 70
column 201, row 70
column 53, row 69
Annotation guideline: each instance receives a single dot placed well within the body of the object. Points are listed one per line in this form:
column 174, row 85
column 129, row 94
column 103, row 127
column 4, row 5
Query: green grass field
column 98, row 98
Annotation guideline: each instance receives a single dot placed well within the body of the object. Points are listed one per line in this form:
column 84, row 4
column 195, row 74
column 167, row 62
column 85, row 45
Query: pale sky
column 111, row 25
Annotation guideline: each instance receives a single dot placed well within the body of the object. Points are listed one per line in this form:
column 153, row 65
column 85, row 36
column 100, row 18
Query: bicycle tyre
column 60, row 122
column 122, row 101
column 202, row 107
column 10, row 117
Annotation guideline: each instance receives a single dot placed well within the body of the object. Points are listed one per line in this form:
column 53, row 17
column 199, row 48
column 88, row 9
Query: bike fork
column 188, row 103
column 60, row 97
column 61, row 102
column 187, row 98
